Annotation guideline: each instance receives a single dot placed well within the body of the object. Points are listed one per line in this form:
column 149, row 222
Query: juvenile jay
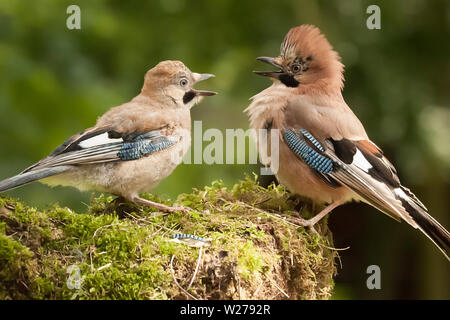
column 133, row 146
column 324, row 151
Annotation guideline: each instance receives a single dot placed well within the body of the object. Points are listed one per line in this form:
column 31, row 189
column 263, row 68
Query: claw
column 302, row 222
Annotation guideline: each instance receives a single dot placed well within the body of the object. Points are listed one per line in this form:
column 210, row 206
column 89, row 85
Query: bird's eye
column 296, row 68
column 183, row 82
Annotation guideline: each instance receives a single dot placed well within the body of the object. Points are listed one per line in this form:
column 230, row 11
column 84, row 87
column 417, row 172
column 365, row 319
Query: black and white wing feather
column 100, row 146
column 362, row 167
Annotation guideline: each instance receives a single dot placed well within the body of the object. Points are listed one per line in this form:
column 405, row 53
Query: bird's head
column 306, row 58
column 173, row 80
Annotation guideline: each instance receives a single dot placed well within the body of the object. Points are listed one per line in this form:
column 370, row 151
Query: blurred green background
column 55, row 82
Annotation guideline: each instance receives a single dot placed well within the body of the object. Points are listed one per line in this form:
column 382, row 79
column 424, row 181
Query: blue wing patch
column 191, row 240
column 313, row 140
column 142, row 146
column 191, row 236
column 308, row 154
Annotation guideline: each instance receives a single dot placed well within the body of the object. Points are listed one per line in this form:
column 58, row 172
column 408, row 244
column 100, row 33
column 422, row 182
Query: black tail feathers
column 428, row 225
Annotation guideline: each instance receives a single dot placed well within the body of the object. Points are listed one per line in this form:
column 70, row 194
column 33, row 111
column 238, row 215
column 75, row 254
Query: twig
column 259, row 287
column 267, row 213
column 102, row 227
column 281, row 290
column 196, row 267
column 105, row 266
column 90, row 256
column 176, row 282
column 335, row 249
column 282, row 219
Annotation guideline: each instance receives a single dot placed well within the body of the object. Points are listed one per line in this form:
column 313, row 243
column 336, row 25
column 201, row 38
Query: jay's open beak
column 191, row 94
column 272, row 74
column 200, row 77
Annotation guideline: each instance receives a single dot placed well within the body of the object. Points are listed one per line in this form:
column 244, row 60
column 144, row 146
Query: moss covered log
column 121, row 251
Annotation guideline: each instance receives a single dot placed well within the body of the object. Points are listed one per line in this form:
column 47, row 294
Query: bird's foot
column 311, row 222
column 302, row 222
column 161, row 207
column 175, row 209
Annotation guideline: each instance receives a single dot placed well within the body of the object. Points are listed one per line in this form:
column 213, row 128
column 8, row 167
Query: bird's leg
column 311, row 222
column 160, row 206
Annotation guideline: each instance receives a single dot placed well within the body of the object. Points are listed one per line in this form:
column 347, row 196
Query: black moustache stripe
column 188, row 96
column 289, row 80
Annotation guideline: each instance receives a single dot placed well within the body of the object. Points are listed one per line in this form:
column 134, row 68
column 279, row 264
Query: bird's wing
column 361, row 166
column 100, row 145
column 340, row 166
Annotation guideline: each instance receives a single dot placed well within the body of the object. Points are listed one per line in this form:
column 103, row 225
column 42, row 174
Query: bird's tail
column 426, row 223
column 30, row 176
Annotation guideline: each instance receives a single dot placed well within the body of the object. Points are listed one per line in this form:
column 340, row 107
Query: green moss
column 251, row 261
column 123, row 251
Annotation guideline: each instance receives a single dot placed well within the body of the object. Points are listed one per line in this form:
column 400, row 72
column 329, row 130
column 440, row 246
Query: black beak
column 272, row 74
column 286, row 78
column 203, row 92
